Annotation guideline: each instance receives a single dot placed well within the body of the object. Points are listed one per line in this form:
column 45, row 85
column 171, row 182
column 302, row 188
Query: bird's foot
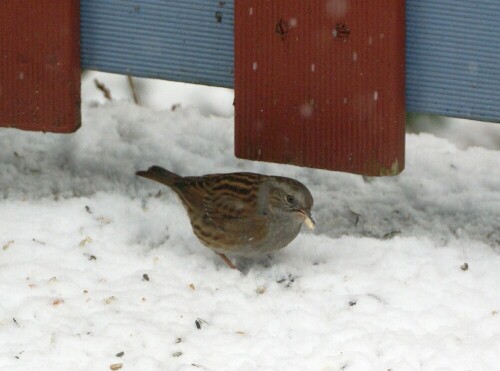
column 227, row 261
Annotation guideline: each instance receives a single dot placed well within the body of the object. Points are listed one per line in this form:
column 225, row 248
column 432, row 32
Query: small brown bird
column 240, row 214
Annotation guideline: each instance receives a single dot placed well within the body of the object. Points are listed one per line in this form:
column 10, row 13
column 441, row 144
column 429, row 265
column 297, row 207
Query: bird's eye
column 290, row 199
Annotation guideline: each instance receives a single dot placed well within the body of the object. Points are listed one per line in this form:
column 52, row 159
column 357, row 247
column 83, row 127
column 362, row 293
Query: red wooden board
column 320, row 83
column 40, row 65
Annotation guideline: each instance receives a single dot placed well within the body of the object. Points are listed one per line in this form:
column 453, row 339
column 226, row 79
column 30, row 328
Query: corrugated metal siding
column 453, row 58
column 179, row 40
column 452, row 48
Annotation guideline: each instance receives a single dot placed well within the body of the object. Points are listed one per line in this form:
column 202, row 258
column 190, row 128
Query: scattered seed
column 92, row 257
column 7, row 245
column 178, row 340
column 198, row 323
column 57, row 302
column 260, row 290
column 53, row 279
column 352, row 303
column 116, row 366
column 356, row 216
column 87, row 209
column 145, row 277
column 110, row 300
column 390, row 235
column 192, row 286
column 119, row 354
column 85, row 241
column 103, row 220
column 288, row 279
column 15, row 321
column 38, row 241
column 240, row 332
column 85, row 291
column 177, row 354
column 464, row 266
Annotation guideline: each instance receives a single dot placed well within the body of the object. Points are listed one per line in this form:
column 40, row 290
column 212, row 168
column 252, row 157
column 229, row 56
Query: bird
column 240, row 214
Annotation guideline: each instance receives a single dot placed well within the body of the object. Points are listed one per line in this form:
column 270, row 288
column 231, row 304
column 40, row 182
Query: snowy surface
column 99, row 267
column 161, row 94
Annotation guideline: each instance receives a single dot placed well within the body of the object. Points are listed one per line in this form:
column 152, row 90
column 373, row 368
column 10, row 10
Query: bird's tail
column 161, row 175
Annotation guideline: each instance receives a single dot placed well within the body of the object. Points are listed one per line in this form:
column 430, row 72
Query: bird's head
column 290, row 196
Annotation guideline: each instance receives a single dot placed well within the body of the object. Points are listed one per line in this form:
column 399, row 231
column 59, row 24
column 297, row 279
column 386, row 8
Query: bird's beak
column 308, row 219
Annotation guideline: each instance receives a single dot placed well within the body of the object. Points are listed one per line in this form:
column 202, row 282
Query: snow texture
column 100, row 268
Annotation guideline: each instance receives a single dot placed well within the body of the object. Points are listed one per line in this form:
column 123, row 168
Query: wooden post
column 320, row 83
column 40, row 65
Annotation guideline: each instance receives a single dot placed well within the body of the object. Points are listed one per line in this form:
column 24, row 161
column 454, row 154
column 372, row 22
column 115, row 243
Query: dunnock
column 240, row 214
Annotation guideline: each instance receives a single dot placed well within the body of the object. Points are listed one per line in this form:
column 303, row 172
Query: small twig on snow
column 133, row 90
column 100, row 86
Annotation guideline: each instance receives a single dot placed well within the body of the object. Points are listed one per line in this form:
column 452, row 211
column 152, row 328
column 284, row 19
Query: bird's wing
column 232, row 207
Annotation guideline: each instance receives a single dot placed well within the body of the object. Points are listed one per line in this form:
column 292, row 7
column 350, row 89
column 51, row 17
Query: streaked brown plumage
column 240, row 214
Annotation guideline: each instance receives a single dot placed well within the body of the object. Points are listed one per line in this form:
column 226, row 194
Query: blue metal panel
column 453, row 58
column 181, row 40
column 453, row 48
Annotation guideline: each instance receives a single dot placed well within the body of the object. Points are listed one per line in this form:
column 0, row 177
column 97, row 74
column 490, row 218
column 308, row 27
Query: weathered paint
column 321, row 85
column 39, row 65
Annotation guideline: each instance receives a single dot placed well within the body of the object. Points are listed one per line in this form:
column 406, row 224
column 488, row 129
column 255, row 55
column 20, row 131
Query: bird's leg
column 227, row 261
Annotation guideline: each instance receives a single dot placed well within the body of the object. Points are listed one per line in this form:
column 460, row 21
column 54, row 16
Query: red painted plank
column 40, row 65
column 320, row 83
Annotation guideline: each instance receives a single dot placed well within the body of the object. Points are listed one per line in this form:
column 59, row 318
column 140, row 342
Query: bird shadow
column 244, row 265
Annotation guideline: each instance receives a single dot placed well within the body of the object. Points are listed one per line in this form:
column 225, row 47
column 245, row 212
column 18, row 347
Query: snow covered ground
column 100, row 269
